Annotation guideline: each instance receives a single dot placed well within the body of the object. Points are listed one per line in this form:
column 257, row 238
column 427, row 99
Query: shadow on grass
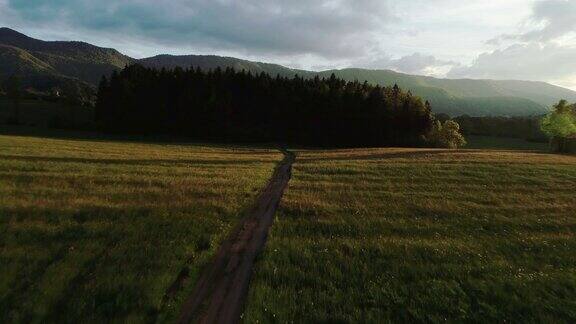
column 130, row 162
column 94, row 136
column 415, row 153
column 381, row 155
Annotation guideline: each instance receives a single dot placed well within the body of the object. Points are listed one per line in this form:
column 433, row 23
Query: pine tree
column 232, row 105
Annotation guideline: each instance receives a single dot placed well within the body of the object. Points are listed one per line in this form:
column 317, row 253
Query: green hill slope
column 16, row 60
column 539, row 92
column 35, row 73
column 466, row 96
column 36, row 60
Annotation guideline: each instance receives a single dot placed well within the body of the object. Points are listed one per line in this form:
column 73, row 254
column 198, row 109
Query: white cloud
column 543, row 50
column 558, row 18
column 532, row 61
column 416, row 63
column 332, row 29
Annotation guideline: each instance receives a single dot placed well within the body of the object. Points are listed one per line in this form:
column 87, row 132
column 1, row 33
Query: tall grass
column 98, row 231
column 408, row 235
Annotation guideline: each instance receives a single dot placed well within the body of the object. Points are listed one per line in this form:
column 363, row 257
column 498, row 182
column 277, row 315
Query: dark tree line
column 527, row 128
column 11, row 88
column 239, row 106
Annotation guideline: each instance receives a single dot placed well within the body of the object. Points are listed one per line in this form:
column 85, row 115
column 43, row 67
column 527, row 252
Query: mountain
column 466, row 96
column 207, row 62
column 65, row 61
column 539, row 92
column 44, row 65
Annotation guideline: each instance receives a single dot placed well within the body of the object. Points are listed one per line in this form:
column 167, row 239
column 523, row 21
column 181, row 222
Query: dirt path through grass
column 221, row 290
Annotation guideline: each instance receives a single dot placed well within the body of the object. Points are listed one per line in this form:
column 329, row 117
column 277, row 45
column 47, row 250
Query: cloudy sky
column 500, row 39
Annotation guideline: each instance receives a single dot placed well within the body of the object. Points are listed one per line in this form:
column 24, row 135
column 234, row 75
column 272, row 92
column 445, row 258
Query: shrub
column 446, row 135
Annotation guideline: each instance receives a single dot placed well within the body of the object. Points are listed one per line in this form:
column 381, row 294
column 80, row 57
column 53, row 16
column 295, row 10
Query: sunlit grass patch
column 420, row 235
column 98, row 230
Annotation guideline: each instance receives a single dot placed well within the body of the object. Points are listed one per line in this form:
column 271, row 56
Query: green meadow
column 99, row 230
column 421, row 235
column 107, row 229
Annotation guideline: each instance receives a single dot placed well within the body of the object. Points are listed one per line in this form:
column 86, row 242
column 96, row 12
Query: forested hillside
column 211, row 62
column 44, row 65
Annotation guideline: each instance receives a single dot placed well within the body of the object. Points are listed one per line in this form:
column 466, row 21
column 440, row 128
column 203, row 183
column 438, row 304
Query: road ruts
column 220, row 293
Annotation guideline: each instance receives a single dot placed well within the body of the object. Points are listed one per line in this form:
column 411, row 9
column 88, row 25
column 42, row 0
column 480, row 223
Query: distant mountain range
column 43, row 65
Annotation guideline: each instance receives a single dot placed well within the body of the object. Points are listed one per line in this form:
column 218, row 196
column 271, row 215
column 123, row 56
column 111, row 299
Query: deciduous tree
column 560, row 124
column 447, row 135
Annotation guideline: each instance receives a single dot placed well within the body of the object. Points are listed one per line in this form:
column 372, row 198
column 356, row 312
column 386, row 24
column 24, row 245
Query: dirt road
column 221, row 290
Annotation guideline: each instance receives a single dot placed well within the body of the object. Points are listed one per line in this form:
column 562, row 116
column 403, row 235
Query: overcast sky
column 500, row 39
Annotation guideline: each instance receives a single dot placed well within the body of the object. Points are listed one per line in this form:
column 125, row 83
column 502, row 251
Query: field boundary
column 220, row 292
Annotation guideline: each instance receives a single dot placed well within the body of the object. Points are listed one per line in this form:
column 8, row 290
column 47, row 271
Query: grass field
column 98, row 231
column 417, row 235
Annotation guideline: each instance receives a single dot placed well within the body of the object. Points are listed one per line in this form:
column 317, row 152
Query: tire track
column 220, row 293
